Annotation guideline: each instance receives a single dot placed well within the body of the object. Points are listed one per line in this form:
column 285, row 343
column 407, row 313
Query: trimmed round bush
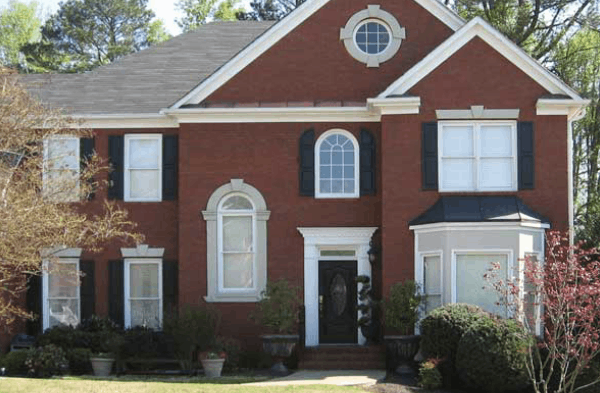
column 14, row 362
column 46, row 361
column 492, row 355
column 443, row 328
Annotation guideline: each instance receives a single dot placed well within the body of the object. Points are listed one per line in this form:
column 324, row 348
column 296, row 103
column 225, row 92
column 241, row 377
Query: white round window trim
column 373, row 14
column 372, row 36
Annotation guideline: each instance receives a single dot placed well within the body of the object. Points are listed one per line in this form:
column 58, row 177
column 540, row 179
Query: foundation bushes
column 14, row 362
column 492, row 354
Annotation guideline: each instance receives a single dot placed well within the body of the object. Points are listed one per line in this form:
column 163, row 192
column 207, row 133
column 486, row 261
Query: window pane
column 63, row 280
column 496, row 141
column 495, row 173
column 325, row 171
column 457, row 141
column 144, row 184
column 143, row 153
column 349, row 172
column 325, row 186
column 237, row 202
column 348, row 186
column 337, row 186
column 338, row 253
column 237, row 270
column 432, row 274
column 62, row 185
column 458, row 174
column 336, row 172
column 337, row 157
column 470, row 282
column 433, row 302
column 63, row 312
column 237, row 234
column 145, row 313
column 325, row 158
column 143, row 280
column 62, row 153
column 349, row 157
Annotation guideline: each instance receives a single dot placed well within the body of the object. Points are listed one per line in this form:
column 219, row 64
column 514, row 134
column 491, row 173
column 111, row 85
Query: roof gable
column 478, row 27
column 279, row 31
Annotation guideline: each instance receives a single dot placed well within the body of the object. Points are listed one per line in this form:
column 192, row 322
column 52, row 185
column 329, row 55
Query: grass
column 155, row 385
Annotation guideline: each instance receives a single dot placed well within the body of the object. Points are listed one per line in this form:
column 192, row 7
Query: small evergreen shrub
column 14, row 362
column 46, row 361
column 278, row 308
column 233, row 348
column 492, row 355
column 79, row 361
column 402, row 307
column 430, row 376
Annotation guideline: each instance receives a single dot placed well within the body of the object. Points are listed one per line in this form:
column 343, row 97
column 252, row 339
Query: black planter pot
column 400, row 354
column 280, row 347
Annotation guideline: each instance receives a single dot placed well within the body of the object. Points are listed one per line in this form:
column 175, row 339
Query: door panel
column 337, row 302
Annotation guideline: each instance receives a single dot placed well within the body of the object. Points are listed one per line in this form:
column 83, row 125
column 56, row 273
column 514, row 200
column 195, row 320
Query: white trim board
column 280, row 30
column 477, row 27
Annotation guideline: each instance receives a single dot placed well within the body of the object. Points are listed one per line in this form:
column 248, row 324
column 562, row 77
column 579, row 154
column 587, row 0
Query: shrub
column 79, row 360
column 142, row 342
column 46, row 361
column 233, row 348
column 278, row 307
column 192, row 331
column 64, row 336
column 14, row 362
column 430, row 376
column 492, row 355
column 402, row 307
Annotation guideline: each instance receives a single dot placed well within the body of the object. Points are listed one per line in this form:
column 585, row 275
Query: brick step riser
column 343, row 358
column 342, row 366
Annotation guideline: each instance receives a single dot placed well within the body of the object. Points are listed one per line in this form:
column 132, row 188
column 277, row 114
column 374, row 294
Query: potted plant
column 102, row 360
column 212, row 362
column 367, row 322
column 277, row 311
column 401, row 315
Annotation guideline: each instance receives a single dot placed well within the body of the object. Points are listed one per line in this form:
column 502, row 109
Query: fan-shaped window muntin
column 336, row 158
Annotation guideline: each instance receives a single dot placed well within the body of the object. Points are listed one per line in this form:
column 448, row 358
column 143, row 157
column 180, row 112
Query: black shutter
column 169, row 175
column 170, row 288
column 86, row 151
column 87, row 289
column 367, row 163
column 116, row 152
column 429, row 164
column 33, row 298
column 307, row 163
column 526, row 155
column 116, row 291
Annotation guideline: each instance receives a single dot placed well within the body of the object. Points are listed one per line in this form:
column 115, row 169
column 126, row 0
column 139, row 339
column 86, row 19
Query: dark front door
column 337, row 302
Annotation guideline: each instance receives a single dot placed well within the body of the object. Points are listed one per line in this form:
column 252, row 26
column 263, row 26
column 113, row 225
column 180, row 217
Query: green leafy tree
column 19, row 25
column 199, row 12
column 89, row 33
column 269, row 9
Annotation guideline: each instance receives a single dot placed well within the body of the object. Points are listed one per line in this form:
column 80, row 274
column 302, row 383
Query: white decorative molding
column 61, row 252
column 394, row 105
column 142, row 251
column 478, row 226
column 127, row 120
column 573, row 109
column 346, row 238
column 478, row 27
column 476, row 112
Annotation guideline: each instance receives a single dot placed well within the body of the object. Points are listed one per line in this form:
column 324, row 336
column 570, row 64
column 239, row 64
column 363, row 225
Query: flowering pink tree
column 566, row 291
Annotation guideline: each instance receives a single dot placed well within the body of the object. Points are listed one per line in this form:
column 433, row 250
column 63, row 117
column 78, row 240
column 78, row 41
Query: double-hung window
column 143, row 292
column 237, row 244
column 432, row 281
column 477, row 156
column 61, row 292
column 61, row 168
column 143, row 168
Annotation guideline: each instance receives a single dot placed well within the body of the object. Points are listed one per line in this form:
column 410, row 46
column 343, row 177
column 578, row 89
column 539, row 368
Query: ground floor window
column 432, row 281
column 61, row 295
column 143, row 293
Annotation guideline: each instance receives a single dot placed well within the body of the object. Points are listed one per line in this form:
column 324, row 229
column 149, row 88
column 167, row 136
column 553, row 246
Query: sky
column 164, row 9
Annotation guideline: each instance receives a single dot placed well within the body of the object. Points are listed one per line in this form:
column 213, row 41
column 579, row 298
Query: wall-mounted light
column 373, row 253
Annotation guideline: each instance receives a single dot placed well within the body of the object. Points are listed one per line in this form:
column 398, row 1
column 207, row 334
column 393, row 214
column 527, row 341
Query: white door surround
column 330, row 238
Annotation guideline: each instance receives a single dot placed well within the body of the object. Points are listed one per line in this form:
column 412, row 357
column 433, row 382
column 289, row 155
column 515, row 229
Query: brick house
column 249, row 151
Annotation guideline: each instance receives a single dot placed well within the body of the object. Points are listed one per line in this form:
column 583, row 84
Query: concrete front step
column 342, row 357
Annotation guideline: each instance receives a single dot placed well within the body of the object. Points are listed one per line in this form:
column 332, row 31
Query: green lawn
column 141, row 385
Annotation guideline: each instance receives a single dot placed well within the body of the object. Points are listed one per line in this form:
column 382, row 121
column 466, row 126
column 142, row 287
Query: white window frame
column 420, row 272
column 127, row 289
column 126, row 167
column 510, row 264
column 325, row 135
column 76, row 196
column 235, row 213
column 46, row 286
column 476, row 155
column 537, row 328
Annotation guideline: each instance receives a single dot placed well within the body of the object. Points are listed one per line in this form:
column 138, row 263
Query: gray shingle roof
column 149, row 80
column 479, row 209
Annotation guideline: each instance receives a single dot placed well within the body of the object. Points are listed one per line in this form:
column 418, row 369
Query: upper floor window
column 337, row 159
column 61, row 293
column 143, row 168
column 477, row 156
column 61, row 168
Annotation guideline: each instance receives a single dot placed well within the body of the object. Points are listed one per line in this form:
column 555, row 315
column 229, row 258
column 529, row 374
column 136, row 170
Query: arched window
column 336, row 159
column 236, row 243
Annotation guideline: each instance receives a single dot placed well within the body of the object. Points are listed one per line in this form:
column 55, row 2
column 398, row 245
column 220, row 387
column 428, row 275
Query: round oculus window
column 372, row 37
